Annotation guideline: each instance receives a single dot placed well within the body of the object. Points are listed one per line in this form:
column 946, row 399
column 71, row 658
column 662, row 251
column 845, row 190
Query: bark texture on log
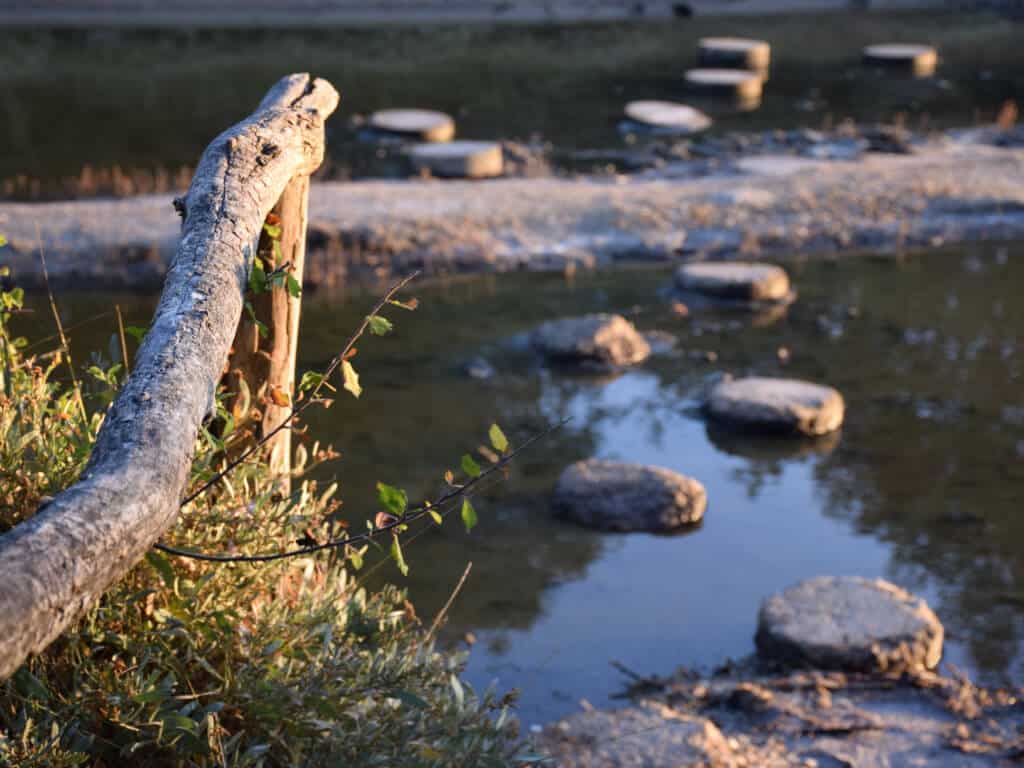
column 54, row 565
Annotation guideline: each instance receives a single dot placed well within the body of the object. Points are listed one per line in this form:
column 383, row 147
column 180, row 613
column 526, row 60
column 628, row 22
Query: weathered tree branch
column 54, row 565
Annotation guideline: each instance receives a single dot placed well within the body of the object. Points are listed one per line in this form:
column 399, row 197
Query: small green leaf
column 3, row 241
column 136, row 332
column 257, row 277
column 469, row 466
column 351, row 378
column 310, row 380
column 293, row 287
column 393, row 499
column 436, row 516
column 396, row 555
column 273, row 231
column 498, row 439
column 379, row 326
column 468, row 515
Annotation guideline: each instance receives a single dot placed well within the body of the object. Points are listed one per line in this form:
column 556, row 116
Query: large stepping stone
column 735, row 280
column 739, row 87
column 414, row 124
column 734, row 53
column 757, row 404
column 917, row 60
column 849, row 623
column 614, row 496
column 667, row 117
column 459, row 159
column 609, row 340
column 635, row 737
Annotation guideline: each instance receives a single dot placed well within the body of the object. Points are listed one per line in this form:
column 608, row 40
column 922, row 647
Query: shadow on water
column 923, row 485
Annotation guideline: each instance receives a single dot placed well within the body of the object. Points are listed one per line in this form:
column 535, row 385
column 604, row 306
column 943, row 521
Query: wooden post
column 55, row 564
column 266, row 365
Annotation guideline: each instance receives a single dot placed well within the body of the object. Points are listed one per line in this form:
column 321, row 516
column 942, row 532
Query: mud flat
column 762, row 205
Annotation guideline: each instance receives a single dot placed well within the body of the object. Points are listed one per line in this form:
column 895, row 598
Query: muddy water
column 149, row 100
column 924, row 485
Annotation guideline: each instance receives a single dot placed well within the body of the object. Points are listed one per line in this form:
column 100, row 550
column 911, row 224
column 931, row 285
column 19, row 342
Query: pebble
column 734, row 53
column 667, row 117
column 918, row 60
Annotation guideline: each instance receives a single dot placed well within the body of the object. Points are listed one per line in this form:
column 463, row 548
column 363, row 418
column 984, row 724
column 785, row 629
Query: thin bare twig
column 120, row 333
column 65, row 347
column 410, row 516
column 448, row 604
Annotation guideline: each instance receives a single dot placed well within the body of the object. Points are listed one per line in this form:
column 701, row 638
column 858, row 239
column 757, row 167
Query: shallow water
column 922, row 486
column 149, row 100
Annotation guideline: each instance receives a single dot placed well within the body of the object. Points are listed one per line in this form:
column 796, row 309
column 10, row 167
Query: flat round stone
column 738, row 85
column 849, row 623
column 614, row 496
column 741, row 280
column 920, row 60
column 761, row 404
column 668, row 115
column 459, row 159
column 600, row 338
column 419, row 124
column 734, row 53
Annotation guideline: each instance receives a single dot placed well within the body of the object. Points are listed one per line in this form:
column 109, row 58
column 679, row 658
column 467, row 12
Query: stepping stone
column 414, row 124
column 633, row 737
column 612, row 496
column 918, row 60
column 734, row 53
column 787, row 406
column 849, row 623
column 739, row 87
column 736, row 280
column 459, row 159
column 667, row 117
column 609, row 340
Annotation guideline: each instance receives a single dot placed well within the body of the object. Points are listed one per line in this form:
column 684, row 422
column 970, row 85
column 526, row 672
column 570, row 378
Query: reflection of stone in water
column 769, row 448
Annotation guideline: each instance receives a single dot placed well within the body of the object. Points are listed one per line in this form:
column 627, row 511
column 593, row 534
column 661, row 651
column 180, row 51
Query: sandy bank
column 947, row 191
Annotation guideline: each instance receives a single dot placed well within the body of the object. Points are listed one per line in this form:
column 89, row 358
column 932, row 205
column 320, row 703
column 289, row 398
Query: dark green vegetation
column 148, row 102
column 922, row 485
column 293, row 662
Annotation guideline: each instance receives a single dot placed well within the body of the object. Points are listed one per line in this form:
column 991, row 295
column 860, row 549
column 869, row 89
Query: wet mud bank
column 954, row 188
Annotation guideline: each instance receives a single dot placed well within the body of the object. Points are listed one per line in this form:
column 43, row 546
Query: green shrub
column 186, row 663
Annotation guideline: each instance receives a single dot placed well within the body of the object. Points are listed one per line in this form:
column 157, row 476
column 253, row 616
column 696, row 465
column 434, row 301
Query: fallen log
column 57, row 563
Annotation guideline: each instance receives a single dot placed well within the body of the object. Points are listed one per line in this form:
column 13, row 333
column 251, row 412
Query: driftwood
column 54, row 565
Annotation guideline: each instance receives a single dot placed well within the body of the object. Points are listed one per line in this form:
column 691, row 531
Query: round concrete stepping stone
column 416, row 124
column 735, row 280
column 918, row 60
column 771, row 405
column 613, row 496
column 734, row 53
column 459, row 159
column 740, row 87
column 667, row 117
column 606, row 339
column 849, row 623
